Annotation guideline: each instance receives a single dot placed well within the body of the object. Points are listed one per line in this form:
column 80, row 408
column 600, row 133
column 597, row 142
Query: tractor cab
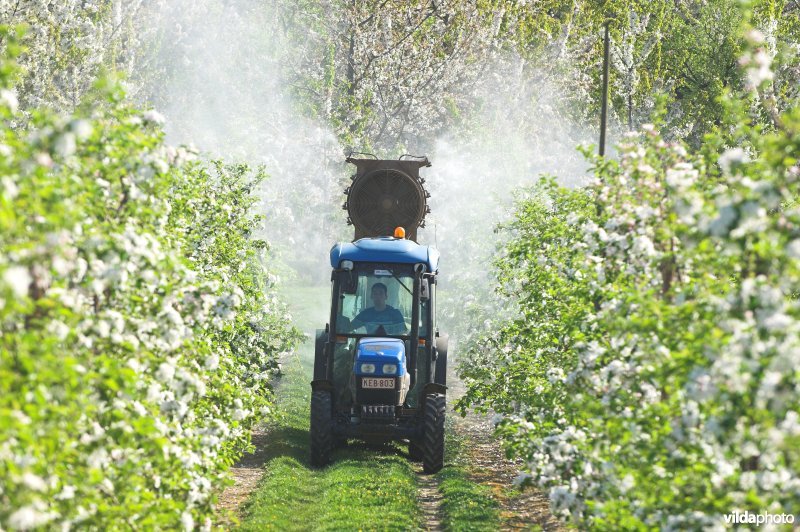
column 380, row 364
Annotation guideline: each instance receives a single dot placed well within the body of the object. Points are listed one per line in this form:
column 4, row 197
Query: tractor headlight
column 367, row 368
column 389, row 369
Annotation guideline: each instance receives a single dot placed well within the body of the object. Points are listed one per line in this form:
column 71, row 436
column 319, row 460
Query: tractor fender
column 321, row 385
column 432, row 388
column 320, row 360
column 440, row 373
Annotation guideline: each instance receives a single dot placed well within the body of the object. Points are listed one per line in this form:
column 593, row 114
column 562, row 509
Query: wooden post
column 604, row 96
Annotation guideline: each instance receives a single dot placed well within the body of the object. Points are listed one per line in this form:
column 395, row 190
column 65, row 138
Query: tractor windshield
column 376, row 300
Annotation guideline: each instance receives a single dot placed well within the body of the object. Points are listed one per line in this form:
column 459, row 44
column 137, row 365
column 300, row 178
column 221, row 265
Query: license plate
column 382, row 384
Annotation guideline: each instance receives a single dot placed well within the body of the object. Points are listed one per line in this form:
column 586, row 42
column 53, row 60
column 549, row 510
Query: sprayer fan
column 384, row 199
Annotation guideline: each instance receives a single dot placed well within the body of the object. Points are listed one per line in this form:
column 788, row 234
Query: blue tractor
column 380, row 363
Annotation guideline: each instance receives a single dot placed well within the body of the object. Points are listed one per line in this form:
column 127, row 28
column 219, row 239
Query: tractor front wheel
column 433, row 438
column 321, row 427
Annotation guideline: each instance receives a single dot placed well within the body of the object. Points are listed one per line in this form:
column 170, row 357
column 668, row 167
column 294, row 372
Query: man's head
column 379, row 294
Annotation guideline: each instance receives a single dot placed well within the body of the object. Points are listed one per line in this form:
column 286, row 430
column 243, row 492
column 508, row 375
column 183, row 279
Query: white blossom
column 66, row 493
column 9, row 99
column 29, row 517
column 627, row 483
column 212, row 361
column 82, row 129
column 19, row 279
column 793, row 248
column 154, row 117
column 34, row 482
column 187, row 521
column 644, row 246
column 722, row 223
column 732, row 157
column 65, row 144
column 10, row 188
column 59, row 329
column 166, row 372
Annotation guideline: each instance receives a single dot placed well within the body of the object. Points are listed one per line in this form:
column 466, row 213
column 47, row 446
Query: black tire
column 414, row 451
column 440, row 377
column 321, row 427
column 433, row 437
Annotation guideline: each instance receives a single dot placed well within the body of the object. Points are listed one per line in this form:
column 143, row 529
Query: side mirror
column 424, row 290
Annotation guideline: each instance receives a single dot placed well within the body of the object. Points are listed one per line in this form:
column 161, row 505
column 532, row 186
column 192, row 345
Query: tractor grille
column 377, row 413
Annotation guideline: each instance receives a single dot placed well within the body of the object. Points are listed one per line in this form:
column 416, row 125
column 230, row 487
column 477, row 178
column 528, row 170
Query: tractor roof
column 385, row 249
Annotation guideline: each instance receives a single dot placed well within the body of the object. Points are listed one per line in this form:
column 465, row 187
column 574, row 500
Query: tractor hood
column 385, row 249
column 380, row 351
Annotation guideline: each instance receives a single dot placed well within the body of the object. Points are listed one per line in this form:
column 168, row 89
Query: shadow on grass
column 286, row 441
column 369, row 451
column 363, row 485
column 293, row 442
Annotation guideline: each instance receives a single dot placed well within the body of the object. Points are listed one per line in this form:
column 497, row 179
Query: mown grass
column 365, row 487
column 465, row 504
column 362, row 488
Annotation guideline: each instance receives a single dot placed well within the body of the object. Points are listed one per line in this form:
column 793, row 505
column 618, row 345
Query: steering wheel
column 372, row 327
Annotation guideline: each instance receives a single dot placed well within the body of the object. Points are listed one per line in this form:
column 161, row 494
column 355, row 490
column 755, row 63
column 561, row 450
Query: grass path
column 365, row 487
column 360, row 489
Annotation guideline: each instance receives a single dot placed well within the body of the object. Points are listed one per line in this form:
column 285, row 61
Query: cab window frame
column 404, row 271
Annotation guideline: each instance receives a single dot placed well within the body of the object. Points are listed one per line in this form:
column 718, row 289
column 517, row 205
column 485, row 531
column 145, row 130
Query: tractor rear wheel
column 321, row 427
column 414, row 451
column 433, row 438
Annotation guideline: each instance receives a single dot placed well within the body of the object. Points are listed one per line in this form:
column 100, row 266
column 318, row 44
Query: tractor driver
column 380, row 314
